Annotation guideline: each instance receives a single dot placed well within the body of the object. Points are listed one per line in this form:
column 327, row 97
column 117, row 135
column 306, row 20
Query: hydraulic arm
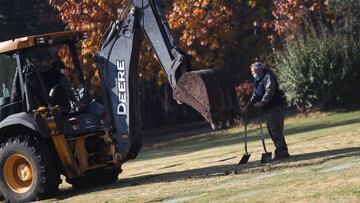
column 210, row 92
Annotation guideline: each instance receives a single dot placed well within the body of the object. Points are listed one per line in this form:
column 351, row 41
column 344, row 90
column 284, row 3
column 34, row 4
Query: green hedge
column 321, row 66
column 321, row 69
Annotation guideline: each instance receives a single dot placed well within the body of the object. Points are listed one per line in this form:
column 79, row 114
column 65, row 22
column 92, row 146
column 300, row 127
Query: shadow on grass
column 298, row 160
column 208, row 142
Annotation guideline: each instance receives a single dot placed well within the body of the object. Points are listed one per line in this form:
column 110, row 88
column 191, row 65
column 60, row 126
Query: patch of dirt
column 260, row 177
column 171, row 166
column 181, row 199
column 245, row 194
column 227, row 159
column 253, row 168
column 338, row 168
column 138, row 174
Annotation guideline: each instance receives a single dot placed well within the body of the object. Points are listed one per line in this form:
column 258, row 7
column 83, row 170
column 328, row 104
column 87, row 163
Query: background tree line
column 313, row 44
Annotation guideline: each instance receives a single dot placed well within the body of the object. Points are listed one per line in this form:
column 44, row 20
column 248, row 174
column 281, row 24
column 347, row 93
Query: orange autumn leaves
column 203, row 27
column 93, row 16
column 289, row 15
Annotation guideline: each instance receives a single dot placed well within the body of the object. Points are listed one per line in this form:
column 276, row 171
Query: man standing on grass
column 270, row 99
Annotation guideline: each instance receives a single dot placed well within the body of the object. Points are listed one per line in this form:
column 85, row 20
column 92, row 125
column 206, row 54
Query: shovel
column 245, row 158
column 265, row 157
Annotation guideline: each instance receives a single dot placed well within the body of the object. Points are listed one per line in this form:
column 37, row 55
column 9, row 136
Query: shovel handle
column 262, row 137
column 245, row 138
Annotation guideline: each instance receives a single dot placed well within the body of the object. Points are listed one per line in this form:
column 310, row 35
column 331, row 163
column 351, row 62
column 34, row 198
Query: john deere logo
column 121, row 87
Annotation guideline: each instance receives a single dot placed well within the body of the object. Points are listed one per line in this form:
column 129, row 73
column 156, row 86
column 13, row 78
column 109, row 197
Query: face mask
column 255, row 76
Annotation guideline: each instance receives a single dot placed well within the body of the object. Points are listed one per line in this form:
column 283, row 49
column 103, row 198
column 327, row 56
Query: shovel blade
column 266, row 157
column 212, row 93
column 244, row 159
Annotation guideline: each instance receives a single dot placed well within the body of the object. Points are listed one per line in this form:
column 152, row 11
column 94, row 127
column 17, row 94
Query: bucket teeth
column 210, row 92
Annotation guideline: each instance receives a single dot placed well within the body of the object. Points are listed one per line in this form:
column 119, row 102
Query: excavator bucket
column 212, row 93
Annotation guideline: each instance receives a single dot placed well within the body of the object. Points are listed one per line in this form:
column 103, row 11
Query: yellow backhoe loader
column 48, row 127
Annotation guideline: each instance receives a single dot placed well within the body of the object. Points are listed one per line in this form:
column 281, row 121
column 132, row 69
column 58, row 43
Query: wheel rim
column 18, row 173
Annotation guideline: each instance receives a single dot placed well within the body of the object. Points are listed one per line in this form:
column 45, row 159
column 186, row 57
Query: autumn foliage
column 205, row 28
column 290, row 15
column 208, row 30
column 93, row 16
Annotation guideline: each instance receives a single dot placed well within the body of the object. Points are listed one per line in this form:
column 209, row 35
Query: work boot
column 281, row 154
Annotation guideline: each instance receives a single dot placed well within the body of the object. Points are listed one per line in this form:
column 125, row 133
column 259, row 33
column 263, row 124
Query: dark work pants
column 274, row 118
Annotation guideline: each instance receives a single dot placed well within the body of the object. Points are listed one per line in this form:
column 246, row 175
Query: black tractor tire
column 95, row 178
column 29, row 170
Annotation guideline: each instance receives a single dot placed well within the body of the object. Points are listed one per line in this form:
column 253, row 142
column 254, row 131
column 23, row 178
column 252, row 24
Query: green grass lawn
column 324, row 167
